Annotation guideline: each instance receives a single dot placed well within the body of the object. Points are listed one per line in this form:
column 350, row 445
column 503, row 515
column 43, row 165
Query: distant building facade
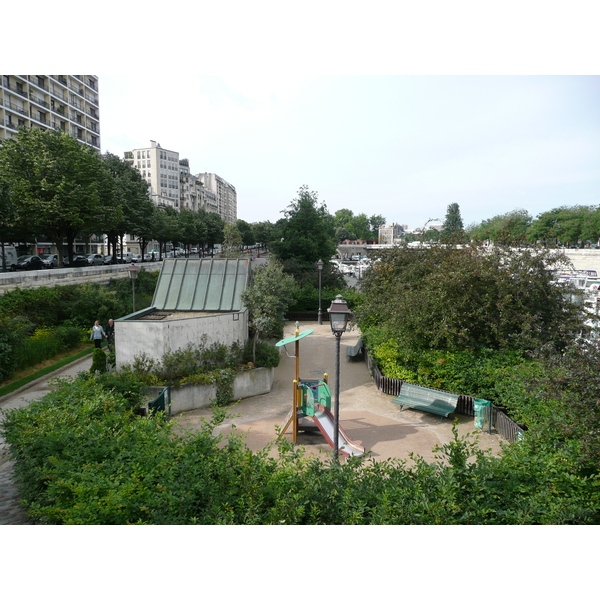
column 225, row 196
column 160, row 169
column 69, row 103
column 172, row 183
column 391, row 234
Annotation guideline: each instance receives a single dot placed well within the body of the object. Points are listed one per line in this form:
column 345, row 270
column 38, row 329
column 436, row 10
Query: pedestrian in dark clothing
column 110, row 335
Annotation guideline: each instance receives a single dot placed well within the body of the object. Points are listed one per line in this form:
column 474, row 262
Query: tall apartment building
column 190, row 188
column 160, row 168
column 225, row 196
column 172, row 183
column 65, row 102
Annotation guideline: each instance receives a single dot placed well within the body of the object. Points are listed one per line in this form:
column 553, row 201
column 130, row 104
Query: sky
column 400, row 146
column 395, row 109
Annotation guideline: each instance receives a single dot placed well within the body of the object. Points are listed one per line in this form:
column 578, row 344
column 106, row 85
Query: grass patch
column 24, row 377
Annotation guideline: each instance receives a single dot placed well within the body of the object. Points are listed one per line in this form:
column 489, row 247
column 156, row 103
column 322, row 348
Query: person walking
column 110, row 335
column 97, row 334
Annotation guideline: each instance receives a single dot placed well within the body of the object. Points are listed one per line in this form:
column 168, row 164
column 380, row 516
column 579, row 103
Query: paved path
column 367, row 415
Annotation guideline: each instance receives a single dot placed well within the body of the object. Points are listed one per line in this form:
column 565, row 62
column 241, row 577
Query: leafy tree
column 374, row 222
column 192, row 227
column 561, row 226
column 232, row 240
column 136, row 216
column 509, row 229
column 305, row 234
column 58, row 186
column 263, row 232
column 453, row 229
column 246, row 232
column 267, row 299
column 215, row 229
column 456, row 299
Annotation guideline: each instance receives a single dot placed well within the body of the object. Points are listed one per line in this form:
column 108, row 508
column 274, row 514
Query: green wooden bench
column 426, row 399
column 354, row 351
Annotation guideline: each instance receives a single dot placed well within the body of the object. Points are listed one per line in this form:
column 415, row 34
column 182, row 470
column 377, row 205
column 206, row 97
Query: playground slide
column 326, row 423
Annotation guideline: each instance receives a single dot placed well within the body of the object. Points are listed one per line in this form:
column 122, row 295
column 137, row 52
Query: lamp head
column 339, row 315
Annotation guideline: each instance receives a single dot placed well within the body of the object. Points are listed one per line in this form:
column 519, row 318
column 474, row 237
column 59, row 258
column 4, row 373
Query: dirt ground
column 368, row 416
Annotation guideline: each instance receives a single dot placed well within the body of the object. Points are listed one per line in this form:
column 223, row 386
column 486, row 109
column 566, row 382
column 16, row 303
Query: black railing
column 503, row 424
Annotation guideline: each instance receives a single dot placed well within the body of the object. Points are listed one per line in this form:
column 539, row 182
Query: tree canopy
column 468, row 298
column 59, row 187
column 306, row 232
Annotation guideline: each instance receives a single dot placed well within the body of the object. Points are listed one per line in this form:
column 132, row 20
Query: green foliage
column 43, row 344
column 191, row 364
column 453, row 229
column 98, row 361
column 263, row 355
column 83, row 457
column 306, row 233
column 444, row 298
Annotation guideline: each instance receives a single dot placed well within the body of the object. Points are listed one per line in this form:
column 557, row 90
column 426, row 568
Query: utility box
column 481, row 408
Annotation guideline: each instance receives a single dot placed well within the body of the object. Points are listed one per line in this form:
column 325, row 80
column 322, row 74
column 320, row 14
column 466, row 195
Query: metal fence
column 497, row 419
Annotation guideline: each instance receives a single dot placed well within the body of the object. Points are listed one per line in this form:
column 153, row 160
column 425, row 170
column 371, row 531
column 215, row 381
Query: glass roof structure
column 204, row 285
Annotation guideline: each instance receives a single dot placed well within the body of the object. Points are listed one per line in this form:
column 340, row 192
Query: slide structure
column 325, row 421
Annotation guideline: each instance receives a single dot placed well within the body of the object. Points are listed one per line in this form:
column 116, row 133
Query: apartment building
column 225, row 196
column 190, row 188
column 65, row 102
column 160, row 168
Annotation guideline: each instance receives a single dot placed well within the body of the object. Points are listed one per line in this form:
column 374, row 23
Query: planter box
column 191, row 397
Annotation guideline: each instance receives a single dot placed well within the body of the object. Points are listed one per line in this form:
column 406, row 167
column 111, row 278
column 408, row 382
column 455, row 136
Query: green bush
column 266, row 355
column 98, row 361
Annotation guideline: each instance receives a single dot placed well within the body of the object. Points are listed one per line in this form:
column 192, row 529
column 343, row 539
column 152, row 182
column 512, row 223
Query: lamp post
column 133, row 273
column 339, row 315
column 320, row 267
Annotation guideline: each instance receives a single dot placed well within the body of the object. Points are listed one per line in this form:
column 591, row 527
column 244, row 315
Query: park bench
column 354, row 351
column 426, row 399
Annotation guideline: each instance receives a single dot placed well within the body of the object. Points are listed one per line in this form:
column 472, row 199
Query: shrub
column 266, row 355
column 98, row 361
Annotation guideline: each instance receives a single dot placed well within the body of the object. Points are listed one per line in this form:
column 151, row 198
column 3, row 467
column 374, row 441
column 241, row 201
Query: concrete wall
column 191, row 397
column 155, row 338
column 71, row 276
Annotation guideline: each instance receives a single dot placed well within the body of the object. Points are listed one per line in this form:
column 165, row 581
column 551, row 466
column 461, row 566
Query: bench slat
column 426, row 399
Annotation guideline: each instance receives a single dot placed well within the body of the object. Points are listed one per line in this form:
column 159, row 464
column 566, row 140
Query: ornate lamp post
column 339, row 314
column 133, row 273
column 320, row 267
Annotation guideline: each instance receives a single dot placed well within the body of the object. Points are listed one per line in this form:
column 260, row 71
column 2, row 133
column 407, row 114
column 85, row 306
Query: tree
column 136, row 214
column 246, row 232
column 267, row 299
column 192, row 227
column 306, row 234
column 563, row 226
column 455, row 299
column 59, row 187
column 509, row 229
column 232, row 240
column 453, row 229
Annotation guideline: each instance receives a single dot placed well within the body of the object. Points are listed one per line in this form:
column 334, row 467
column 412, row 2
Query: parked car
column 78, row 261
column 95, row 259
column 107, row 259
column 136, row 258
column 28, row 263
column 124, row 258
column 50, row 260
column 151, row 256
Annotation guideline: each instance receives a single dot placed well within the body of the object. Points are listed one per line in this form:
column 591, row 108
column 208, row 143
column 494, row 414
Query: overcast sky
column 389, row 108
column 401, row 146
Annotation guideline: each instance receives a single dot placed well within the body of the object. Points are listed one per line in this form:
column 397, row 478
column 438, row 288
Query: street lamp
column 133, row 273
column 320, row 267
column 339, row 314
